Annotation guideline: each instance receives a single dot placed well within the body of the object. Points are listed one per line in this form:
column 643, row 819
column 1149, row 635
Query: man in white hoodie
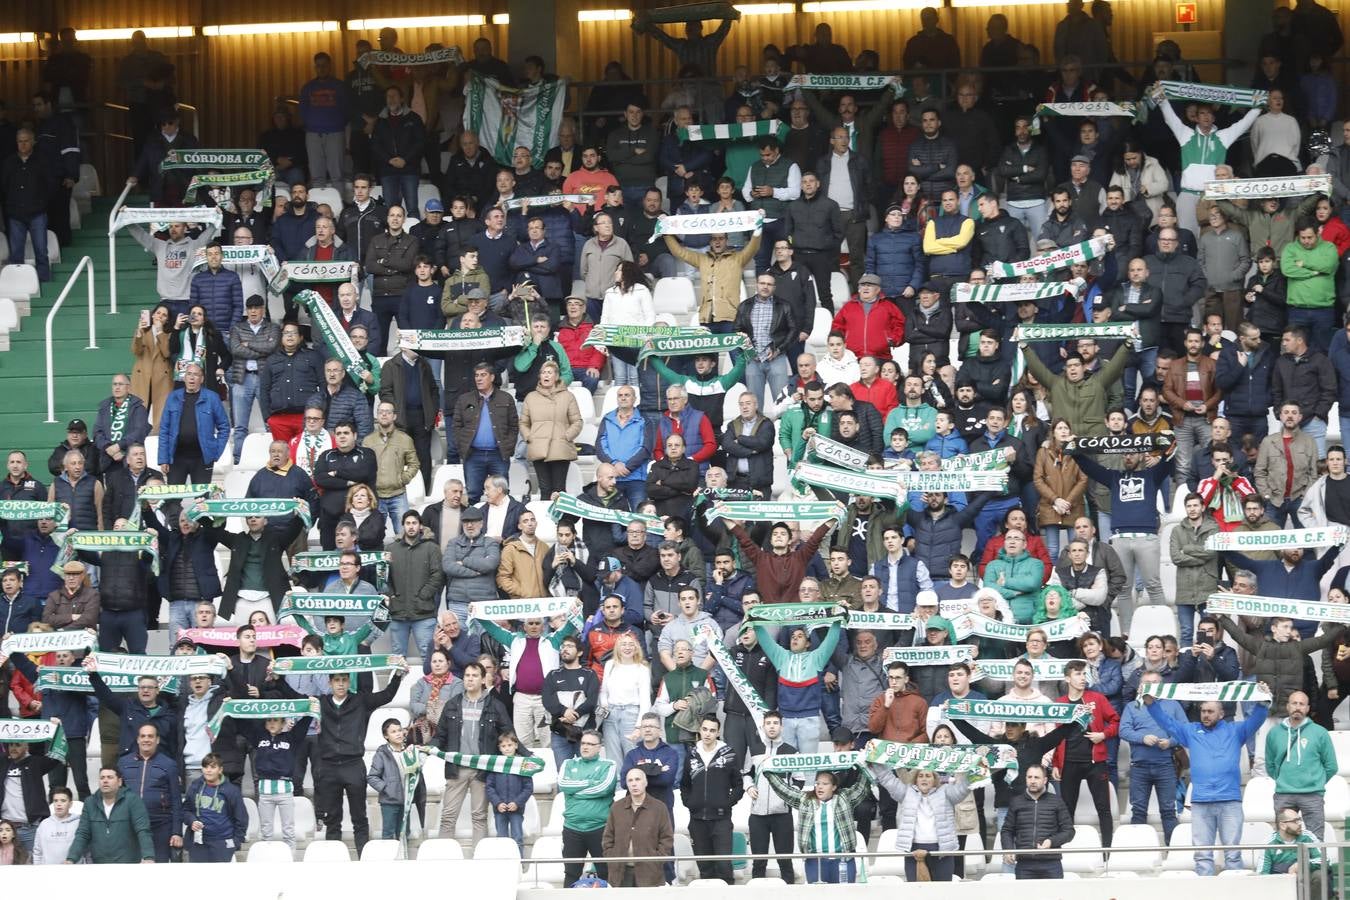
column 769, row 815
column 55, row 833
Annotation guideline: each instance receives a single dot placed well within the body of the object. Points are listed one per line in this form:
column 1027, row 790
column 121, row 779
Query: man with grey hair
column 443, row 516
column 26, row 183
column 501, row 509
column 251, row 341
column 188, row 452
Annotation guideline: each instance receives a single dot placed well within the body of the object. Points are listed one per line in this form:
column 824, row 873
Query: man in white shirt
column 846, row 178
column 56, row 832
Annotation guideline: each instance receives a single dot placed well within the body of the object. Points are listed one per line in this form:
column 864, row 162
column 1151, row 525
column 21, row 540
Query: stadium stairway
column 82, row 375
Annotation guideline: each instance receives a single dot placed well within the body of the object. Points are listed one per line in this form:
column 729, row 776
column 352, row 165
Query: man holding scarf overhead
column 826, row 823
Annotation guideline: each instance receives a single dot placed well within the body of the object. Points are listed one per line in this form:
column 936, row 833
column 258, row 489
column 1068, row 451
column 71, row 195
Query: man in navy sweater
column 1134, row 520
column 1295, row 574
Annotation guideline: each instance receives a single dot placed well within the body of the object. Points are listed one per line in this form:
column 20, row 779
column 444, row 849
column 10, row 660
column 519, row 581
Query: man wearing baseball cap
column 77, row 438
column 434, row 238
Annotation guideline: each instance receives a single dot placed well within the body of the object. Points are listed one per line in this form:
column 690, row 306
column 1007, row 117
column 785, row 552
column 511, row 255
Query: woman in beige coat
column 1061, row 485
column 550, row 421
column 152, row 373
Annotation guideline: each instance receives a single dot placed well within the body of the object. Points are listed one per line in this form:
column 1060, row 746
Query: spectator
column 1286, row 466
column 485, row 426
column 1027, row 827
column 324, row 112
column 870, row 327
column 1181, row 282
column 293, row 223
column 1190, row 392
column 1303, row 374
column 1025, row 166
column 720, row 275
column 398, row 141
column 1301, row 759
column 115, row 830
column 1151, row 765
column 934, row 156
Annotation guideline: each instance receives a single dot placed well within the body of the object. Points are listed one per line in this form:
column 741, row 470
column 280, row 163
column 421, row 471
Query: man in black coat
column 1037, row 819
column 257, row 544
column 337, row 470
column 748, row 441
column 122, row 482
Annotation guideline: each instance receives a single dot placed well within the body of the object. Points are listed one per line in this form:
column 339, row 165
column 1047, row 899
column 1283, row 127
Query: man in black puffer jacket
column 1037, row 819
column 390, row 258
column 124, row 593
column 998, row 236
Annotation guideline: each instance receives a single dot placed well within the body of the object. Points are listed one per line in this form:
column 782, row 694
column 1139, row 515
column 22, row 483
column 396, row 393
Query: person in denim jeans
column 387, row 780
column 1151, row 766
column 1215, row 746
column 507, row 794
column 26, row 180
column 251, row 342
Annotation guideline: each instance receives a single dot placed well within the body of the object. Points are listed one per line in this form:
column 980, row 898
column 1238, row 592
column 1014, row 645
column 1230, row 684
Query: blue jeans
column 622, row 721
column 1186, row 613
column 1321, row 325
column 391, row 818
column 25, row 834
column 624, row 372
column 1144, row 364
column 1287, row 509
column 831, row 870
column 36, row 227
column 634, row 491
column 1147, row 776
column 181, row 615
column 420, row 631
column 116, row 626
column 802, row 732
column 775, row 372
column 1221, row 820
column 512, row 825
column 563, row 749
column 632, row 196
column 394, row 508
column 1316, row 429
column 242, row 396
column 402, row 190
column 829, row 708
column 479, row 465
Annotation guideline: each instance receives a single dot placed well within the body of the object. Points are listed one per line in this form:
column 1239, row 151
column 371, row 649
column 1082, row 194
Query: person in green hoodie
column 587, row 783
column 119, row 833
column 1281, row 855
column 1054, row 603
column 1308, row 264
column 1300, row 758
column 1017, row 575
column 800, row 423
column 799, row 679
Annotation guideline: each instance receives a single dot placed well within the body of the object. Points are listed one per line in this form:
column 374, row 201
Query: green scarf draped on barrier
column 1084, row 251
column 777, row 511
column 36, row 731
column 334, row 335
column 29, row 510
column 1015, row 711
column 146, row 542
column 323, row 604
column 454, row 339
column 570, row 505
column 330, row 665
column 1283, row 539
column 260, row 709
column 693, row 345
column 267, row 507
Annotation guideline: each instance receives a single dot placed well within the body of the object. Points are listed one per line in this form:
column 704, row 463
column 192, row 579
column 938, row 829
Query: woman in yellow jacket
column 550, row 421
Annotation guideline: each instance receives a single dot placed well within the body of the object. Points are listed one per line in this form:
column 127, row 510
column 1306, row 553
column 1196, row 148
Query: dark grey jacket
column 815, row 223
column 1181, row 281
column 390, row 260
column 245, row 345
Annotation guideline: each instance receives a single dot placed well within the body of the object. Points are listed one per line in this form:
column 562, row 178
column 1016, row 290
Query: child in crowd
column 215, row 809
column 899, row 448
column 309, row 684
column 507, row 794
column 276, row 755
column 946, row 443
column 388, row 776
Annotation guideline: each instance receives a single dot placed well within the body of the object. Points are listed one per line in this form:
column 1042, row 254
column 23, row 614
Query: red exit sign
column 1186, row 14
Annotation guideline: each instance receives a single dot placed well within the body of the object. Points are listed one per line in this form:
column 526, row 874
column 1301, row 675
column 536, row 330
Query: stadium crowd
column 612, row 490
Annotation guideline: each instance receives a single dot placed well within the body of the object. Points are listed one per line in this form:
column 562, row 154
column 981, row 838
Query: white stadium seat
column 327, row 852
column 269, row 852
column 442, row 848
column 674, row 296
column 381, row 851
column 1148, row 859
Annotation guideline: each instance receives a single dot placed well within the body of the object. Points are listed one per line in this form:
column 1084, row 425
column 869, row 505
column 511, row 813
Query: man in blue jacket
column 38, row 549
column 152, row 775
column 193, row 431
column 1151, row 766
column 1216, row 747
column 295, row 226
column 219, row 290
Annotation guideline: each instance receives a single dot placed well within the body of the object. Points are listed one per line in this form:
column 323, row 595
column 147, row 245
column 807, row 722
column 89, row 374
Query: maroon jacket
column 777, row 577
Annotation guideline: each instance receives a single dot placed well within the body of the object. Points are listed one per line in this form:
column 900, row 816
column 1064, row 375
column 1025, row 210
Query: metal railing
column 112, row 248
column 85, row 265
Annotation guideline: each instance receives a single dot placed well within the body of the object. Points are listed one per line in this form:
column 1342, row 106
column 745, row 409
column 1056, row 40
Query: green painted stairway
column 83, row 376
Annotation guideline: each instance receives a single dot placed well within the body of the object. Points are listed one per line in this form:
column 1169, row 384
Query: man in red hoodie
column 870, row 323
column 1083, row 757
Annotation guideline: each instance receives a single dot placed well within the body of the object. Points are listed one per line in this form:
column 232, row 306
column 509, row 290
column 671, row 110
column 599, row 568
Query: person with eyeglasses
column 1281, row 856
column 587, row 783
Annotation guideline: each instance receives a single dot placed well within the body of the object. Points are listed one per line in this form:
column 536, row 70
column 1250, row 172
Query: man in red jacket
column 1083, row 757
column 874, row 389
column 870, row 323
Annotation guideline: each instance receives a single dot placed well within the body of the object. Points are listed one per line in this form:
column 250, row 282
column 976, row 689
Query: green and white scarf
column 812, row 762
column 265, row 507
column 18, row 565
column 985, row 627
column 732, row 131
column 860, row 620
column 1094, row 109
column 1261, row 188
column 333, row 334
column 75, row 680
column 502, row 765
column 532, row 608
column 979, row 461
column 1084, row 251
column 260, row 709
column 947, row 482
column 548, row 200
column 1202, row 691
column 777, row 511
column 261, row 176
column 29, row 510
column 444, row 56
column 462, row 338
column 319, row 272
column 1283, row 539
column 960, row 760
column 1105, row 330
column 1124, row 443
column 36, row 731
column 329, row 604
column 355, row 662
column 117, row 421
column 323, row 561
column 158, row 217
column 146, row 542
column 1017, row 711
column 837, row 454
column 214, row 159
column 694, row 345
column 735, row 677
column 870, row 483
column 1002, row 669
column 710, row 223
column 944, row 655
column 48, row 642
column 156, row 492
column 192, row 353
column 1276, row 607
column 787, row 615
column 243, row 256
column 634, row 337
column 570, row 505
column 158, row 666
column 1222, row 94
column 842, row 81
column 1007, row 293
